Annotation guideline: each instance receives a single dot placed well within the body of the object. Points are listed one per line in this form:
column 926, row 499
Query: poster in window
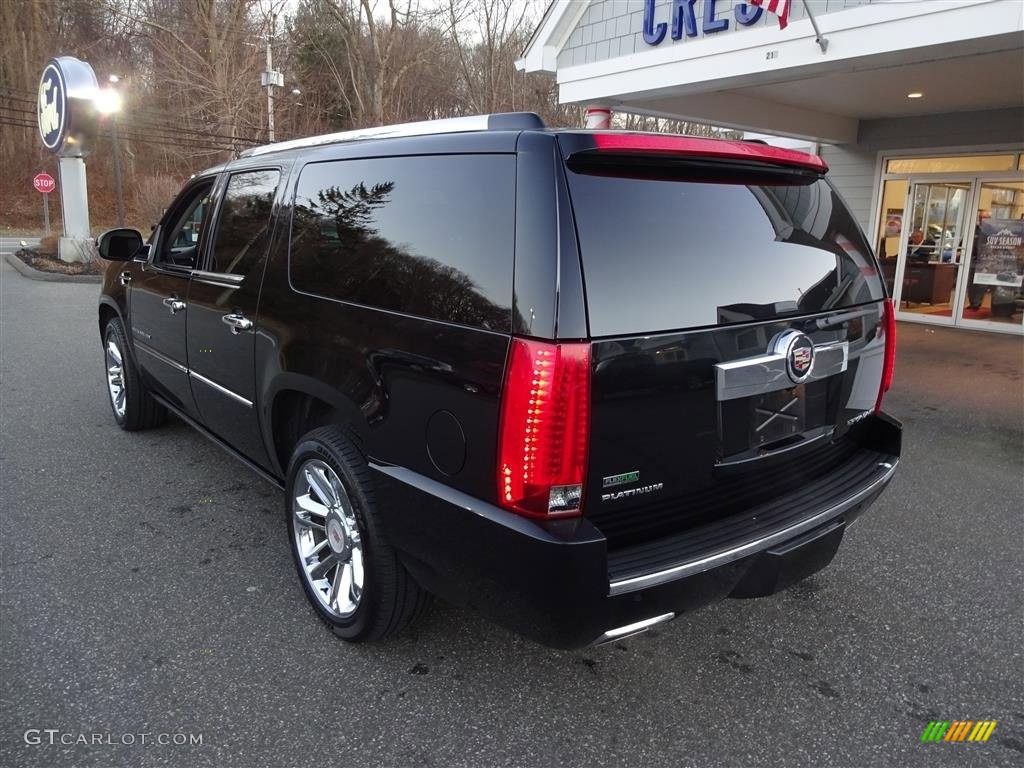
column 893, row 222
column 1000, row 253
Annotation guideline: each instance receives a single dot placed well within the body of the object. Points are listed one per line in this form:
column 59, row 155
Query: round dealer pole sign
column 66, row 107
column 53, row 107
column 43, row 182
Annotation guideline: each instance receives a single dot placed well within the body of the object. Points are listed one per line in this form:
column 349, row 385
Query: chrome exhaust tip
column 632, row 629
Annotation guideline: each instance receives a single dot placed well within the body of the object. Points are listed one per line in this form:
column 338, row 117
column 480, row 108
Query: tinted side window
column 663, row 254
column 429, row 236
column 183, row 227
column 243, row 228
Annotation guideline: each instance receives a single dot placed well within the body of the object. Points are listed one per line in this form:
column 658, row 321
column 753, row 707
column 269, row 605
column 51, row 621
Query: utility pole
column 117, row 172
column 114, row 108
column 271, row 77
column 270, row 85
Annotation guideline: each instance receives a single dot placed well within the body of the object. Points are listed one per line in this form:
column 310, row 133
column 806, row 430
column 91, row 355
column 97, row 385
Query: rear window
column 430, row 235
column 663, row 253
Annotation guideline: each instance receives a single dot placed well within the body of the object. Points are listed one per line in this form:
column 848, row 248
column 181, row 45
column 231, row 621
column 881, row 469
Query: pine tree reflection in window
column 345, row 245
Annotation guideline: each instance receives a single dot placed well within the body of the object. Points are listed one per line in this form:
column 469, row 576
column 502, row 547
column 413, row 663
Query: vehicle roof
column 474, row 142
column 499, row 134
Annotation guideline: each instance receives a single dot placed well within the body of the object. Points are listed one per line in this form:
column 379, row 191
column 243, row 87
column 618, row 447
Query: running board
column 217, row 441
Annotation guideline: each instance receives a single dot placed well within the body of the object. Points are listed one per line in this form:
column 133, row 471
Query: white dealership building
column 917, row 106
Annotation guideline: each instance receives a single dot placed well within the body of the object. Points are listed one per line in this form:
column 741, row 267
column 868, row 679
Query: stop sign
column 43, row 182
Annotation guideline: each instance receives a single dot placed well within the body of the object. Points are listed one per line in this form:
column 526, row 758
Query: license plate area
column 753, row 426
column 776, row 416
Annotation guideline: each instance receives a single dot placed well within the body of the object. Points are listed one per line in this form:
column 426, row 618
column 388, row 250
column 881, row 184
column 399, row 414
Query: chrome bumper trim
column 724, row 557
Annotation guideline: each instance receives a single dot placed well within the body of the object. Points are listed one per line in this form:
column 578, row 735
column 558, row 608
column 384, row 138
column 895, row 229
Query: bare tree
column 190, row 79
column 205, row 63
column 488, row 66
column 384, row 44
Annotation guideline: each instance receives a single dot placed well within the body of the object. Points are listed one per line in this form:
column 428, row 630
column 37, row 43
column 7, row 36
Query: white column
column 599, row 118
column 74, row 205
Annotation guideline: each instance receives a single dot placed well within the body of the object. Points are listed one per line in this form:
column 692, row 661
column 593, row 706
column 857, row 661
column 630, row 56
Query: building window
column 894, row 195
column 952, row 164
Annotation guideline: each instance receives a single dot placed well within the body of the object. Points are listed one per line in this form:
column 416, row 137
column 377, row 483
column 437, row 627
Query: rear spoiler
column 628, row 143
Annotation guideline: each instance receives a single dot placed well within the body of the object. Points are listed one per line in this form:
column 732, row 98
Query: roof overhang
column 969, row 52
column 555, row 26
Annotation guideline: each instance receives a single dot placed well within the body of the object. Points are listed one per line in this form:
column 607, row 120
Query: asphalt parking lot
column 147, row 587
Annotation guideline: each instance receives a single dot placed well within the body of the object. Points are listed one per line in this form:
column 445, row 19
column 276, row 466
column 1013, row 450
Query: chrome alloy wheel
column 327, row 538
column 115, row 378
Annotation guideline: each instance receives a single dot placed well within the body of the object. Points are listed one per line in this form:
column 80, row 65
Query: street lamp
column 291, row 103
column 107, row 101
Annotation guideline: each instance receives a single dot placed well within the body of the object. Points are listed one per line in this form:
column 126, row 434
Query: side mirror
column 119, row 244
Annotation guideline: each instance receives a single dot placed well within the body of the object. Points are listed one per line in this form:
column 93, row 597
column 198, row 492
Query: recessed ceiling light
column 915, row 95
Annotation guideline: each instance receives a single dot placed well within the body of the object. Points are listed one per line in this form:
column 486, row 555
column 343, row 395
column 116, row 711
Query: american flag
column 779, row 7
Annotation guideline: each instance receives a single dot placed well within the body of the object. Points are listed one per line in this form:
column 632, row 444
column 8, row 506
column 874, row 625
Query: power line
column 155, row 118
column 145, row 138
column 169, row 19
column 161, row 127
column 144, row 132
column 190, row 27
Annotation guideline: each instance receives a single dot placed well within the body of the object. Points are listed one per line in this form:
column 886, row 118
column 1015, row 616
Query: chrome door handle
column 175, row 305
column 237, row 322
column 125, row 277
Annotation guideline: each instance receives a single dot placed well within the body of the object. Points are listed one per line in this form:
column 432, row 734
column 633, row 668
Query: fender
column 283, row 383
column 106, row 301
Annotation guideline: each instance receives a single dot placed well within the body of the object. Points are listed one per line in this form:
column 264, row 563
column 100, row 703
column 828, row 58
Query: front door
column 158, row 296
column 932, row 250
column 223, row 301
column 993, row 296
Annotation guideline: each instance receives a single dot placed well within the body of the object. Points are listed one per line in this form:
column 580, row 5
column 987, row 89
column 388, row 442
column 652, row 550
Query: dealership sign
column 684, row 19
column 66, row 109
column 53, row 107
column 999, row 259
column 68, row 123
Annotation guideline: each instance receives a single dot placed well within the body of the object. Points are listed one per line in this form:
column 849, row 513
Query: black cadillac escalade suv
column 580, row 381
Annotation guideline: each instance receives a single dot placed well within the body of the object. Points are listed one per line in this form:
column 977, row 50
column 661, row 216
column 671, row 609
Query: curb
column 49, row 277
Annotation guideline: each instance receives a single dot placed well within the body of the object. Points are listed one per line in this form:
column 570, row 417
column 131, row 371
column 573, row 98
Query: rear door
column 223, row 300
column 158, row 295
column 735, row 311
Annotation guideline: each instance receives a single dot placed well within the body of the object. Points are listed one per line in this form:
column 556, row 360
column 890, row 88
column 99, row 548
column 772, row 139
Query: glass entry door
column 994, row 290
column 932, row 249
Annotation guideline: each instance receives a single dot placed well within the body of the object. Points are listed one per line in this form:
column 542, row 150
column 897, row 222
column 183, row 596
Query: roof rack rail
column 505, row 121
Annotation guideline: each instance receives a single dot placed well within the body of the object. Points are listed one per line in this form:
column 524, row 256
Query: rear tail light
column 545, row 425
column 889, row 364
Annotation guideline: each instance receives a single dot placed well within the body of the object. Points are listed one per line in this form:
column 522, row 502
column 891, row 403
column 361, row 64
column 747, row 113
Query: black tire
column 141, row 411
column 391, row 600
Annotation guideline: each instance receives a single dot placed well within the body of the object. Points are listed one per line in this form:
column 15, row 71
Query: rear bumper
column 558, row 584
